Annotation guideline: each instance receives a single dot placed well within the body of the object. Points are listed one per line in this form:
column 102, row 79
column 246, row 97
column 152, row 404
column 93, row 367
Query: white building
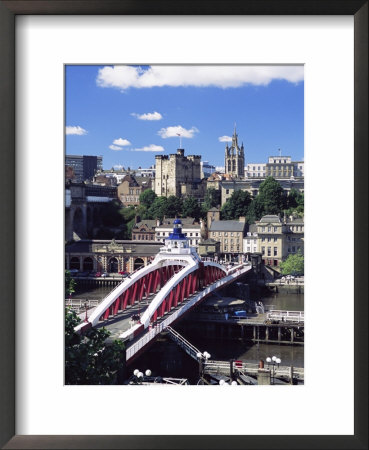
column 190, row 229
column 256, row 170
column 250, row 241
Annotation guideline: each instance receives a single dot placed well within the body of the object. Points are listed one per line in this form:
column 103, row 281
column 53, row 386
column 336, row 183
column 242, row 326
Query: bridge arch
column 79, row 222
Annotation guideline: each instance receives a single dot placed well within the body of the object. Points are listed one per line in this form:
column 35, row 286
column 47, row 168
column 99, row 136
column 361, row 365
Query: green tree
column 89, row 359
column 272, row 196
column 158, row 208
column 191, row 208
column 256, row 210
column 147, row 198
column 70, row 283
column 293, row 265
column 237, row 205
column 211, row 199
column 174, row 206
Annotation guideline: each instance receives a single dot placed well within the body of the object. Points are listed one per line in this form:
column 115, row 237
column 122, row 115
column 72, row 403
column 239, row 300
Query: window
column 269, row 239
column 225, row 248
column 231, row 241
column 227, row 191
column 269, row 251
column 275, row 251
column 293, row 249
column 248, row 249
column 263, row 239
column 263, row 250
column 254, row 241
column 289, row 249
column 275, row 239
column 263, row 229
column 275, row 229
column 269, row 229
column 225, row 234
column 226, row 241
column 190, row 234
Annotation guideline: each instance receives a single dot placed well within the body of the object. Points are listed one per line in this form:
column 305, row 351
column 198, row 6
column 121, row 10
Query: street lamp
column 275, row 361
column 86, row 309
column 139, row 377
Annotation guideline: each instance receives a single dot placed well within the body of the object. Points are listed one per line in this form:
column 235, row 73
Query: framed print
column 38, row 40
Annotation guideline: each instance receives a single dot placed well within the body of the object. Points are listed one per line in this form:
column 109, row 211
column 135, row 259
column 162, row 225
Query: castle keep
column 178, row 175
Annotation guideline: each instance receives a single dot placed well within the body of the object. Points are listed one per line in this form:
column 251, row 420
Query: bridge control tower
column 177, row 244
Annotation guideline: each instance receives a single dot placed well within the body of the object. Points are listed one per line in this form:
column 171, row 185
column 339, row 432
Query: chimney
column 157, row 222
column 242, row 219
column 137, row 219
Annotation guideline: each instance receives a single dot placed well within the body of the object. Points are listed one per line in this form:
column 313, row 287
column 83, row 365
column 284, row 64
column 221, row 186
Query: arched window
column 88, row 264
column 74, row 263
column 139, row 262
column 113, row 265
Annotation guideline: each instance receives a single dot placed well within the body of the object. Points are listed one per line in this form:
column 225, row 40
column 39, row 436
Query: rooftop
column 227, row 225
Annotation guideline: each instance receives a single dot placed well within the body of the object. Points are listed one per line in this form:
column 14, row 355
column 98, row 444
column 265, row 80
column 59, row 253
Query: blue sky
column 128, row 114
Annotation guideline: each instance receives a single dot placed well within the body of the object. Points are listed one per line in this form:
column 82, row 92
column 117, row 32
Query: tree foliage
column 88, row 359
column 272, row 196
column 293, row 265
column 211, row 199
column 237, row 205
column 191, row 208
column 147, row 198
column 70, row 283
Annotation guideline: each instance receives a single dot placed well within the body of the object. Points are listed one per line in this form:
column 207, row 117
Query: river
column 165, row 359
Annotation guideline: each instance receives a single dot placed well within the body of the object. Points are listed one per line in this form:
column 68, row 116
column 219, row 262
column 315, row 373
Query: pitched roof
column 270, row 218
column 227, row 225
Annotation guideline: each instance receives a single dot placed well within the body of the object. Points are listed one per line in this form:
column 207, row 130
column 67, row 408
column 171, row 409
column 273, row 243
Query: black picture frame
column 8, row 12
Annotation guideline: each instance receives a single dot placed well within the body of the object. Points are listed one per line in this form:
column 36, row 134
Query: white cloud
column 149, row 148
column 124, row 77
column 75, row 130
column 115, row 147
column 148, row 116
column 225, row 139
column 122, row 142
column 175, row 131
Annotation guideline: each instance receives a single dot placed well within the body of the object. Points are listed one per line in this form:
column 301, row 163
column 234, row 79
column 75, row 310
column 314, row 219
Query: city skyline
column 128, row 114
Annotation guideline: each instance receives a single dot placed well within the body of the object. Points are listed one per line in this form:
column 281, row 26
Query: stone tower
column 234, row 160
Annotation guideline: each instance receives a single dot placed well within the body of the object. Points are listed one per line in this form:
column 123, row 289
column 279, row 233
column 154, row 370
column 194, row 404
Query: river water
column 165, row 359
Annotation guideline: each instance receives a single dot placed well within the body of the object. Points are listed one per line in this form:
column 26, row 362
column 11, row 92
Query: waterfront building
column 191, row 229
column 234, row 158
column 279, row 238
column 179, row 175
column 230, row 234
column 84, row 166
column 250, row 241
column 109, row 256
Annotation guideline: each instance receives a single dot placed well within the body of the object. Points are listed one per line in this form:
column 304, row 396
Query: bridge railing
column 252, row 369
column 286, row 316
column 159, row 327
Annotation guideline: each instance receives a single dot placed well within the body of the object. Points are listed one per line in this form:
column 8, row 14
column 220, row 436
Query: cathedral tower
column 234, row 160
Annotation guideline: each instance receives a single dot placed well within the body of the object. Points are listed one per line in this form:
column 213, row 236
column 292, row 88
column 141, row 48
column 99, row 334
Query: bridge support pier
column 292, row 336
column 267, row 333
column 279, row 333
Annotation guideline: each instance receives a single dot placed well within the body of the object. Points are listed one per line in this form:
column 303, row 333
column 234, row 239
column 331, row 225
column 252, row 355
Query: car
column 105, row 274
column 98, row 274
